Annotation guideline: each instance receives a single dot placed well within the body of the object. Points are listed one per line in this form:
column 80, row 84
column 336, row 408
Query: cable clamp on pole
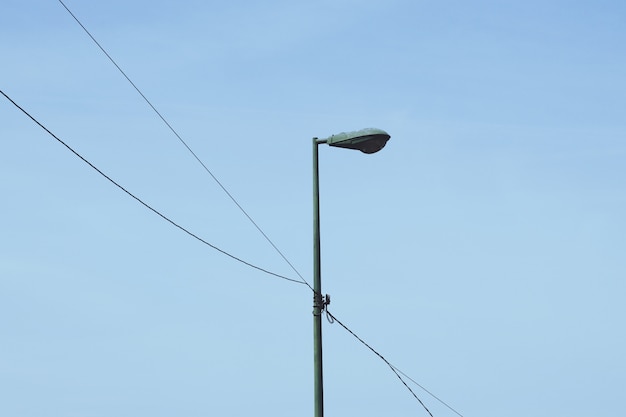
column 320, row 302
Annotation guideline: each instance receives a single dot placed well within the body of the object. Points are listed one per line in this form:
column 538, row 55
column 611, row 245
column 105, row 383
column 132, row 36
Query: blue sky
column 481, row 252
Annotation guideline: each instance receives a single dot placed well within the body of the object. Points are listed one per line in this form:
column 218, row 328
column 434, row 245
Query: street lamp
column 367, row 141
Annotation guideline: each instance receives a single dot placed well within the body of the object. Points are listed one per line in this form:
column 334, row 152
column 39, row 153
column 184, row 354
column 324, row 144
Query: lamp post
column 367, row 141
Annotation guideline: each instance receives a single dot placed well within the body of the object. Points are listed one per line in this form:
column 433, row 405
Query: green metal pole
column 317, row 289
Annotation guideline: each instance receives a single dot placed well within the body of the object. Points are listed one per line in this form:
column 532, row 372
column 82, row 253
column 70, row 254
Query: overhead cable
column 185, row 144
column 427, row 391
column 333, row 319
column 397, row 371
column 158, row 213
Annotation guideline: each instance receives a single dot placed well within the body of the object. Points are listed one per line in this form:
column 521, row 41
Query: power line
column 395, row 370
column 158, row 213
column 427, row 391
column 186, row 145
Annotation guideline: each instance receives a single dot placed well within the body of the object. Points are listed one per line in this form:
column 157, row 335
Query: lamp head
column 366, row 140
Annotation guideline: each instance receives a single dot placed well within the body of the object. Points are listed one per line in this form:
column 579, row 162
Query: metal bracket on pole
column 320, row 302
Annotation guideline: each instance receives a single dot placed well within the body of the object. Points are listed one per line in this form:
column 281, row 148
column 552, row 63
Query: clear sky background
column 481, row 252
